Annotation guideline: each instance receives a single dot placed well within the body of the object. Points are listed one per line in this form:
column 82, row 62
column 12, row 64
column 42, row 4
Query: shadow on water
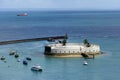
column 36, row 72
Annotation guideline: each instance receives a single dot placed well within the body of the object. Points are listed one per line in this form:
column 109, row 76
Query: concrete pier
column 32, row 39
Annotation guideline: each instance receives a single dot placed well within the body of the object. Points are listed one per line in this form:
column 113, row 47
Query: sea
column 98, row 27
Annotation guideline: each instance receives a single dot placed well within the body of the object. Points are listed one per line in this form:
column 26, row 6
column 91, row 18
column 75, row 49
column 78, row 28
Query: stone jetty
column 32, row 39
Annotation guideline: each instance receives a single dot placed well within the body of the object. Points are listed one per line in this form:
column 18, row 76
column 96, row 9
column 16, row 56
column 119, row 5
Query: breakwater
column 32, row 39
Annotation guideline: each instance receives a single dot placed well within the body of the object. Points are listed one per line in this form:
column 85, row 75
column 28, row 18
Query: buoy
column 5, row 61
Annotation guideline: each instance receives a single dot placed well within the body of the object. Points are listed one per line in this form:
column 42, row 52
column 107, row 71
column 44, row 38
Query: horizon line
column 53, row 9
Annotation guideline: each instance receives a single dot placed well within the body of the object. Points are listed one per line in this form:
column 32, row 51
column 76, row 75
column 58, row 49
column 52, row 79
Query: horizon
column 33, row 9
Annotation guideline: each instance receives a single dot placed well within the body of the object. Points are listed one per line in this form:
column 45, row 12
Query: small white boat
column 2, row 58
column 36, row 68
column 12, row 52
column 85, row 63
column 18, row 60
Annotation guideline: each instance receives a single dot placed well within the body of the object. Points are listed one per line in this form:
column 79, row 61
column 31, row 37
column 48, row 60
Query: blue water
column 102, row 28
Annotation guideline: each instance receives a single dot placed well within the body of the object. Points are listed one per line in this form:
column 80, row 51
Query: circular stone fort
column 64, row 49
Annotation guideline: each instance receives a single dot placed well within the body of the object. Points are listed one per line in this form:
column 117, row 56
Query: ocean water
column 98, row 27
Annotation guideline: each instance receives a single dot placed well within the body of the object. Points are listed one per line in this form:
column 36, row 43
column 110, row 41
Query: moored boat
column 36, row 68
column 16, row 55
column 28, row 58
column 85, row 63
column 12, row 52
column 2, row 58
column 25, row 62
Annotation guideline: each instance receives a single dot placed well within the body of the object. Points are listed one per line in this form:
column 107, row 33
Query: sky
column 60, row 4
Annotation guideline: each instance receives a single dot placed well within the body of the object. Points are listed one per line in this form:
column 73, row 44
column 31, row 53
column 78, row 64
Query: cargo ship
column 23, row 14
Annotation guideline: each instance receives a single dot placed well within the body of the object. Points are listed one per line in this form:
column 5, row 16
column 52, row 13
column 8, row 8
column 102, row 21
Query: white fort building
column 64, row 49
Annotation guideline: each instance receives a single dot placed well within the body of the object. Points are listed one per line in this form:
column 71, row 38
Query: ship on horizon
column 23, row 14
